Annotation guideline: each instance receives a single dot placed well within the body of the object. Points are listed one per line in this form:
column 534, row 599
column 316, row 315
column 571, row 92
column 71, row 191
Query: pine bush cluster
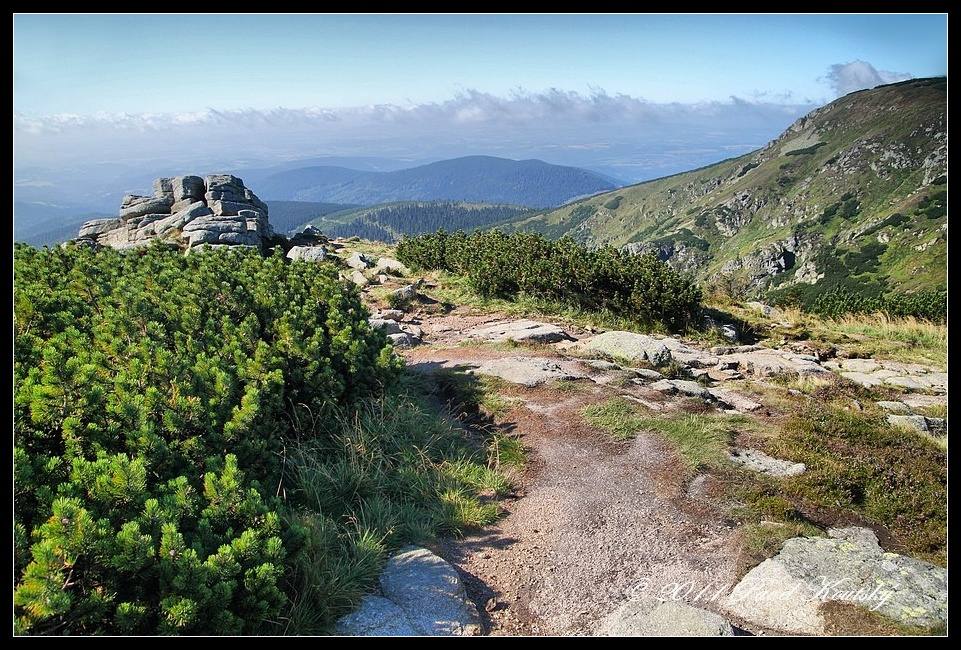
column 930, row 304
column 152, row 394
column 641, row 288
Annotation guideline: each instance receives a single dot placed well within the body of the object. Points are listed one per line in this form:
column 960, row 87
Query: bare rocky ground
column 595, row 525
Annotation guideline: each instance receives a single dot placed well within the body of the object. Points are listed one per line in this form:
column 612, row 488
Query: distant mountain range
column 851, row 195
column 39, row 223
column 482, row 179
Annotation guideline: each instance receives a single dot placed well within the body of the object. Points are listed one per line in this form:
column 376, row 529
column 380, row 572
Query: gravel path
column 594, row 521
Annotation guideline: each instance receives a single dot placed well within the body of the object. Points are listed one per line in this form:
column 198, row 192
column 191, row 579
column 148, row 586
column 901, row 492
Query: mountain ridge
column 814, row 209
column 481, row 179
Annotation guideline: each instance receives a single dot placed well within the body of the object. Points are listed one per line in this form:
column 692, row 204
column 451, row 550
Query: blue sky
column 83, row 64
column 104, row 103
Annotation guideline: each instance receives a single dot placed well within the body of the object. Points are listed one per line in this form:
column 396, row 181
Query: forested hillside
column 391, row 221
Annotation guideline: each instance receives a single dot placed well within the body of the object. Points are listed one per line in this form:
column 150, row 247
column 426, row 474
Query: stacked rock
column 193, row 211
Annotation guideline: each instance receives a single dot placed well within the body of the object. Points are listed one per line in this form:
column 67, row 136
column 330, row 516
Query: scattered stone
column 784, row 592
column 729, row 332
column 307, row 253
column 911, row 383
column 933, row 426
column 738, row 402
column 758, row 461
column 528, row 371
column 388, row 326
column 645, row 373
column 765, row 362
column 683, row 386
column 359, row 261
column 522, row 331
column 359, row 279
column 647, row 616
column 766, row 310
column 389, row 265
column 924, row 401
column 405, row 294
column 899, row 408
column 392, row 314
column 403, row 339
column 600, row 364
column 422, row 596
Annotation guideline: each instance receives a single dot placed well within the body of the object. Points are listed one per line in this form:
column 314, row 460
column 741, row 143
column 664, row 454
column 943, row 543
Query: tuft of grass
column 480, row 393
column 702, row 440
column 620, row 418
column 391, row 472
column 763, row 539
column 507, row 452
column 848, row 619
column 567, row 385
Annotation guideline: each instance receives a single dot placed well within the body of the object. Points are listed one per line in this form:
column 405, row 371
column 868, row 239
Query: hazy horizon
column 104, row 101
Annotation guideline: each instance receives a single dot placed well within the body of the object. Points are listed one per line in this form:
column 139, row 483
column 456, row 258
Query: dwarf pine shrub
column 496, row 264
column 152, row 394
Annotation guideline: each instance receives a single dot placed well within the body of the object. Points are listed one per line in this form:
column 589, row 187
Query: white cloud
column 857, row 75
column 615, row 133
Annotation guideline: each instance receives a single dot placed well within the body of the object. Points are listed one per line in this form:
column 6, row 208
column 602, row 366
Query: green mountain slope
column 851, row 195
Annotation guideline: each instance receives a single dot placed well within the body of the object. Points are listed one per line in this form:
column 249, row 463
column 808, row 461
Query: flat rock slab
column 899, row 408
column 528, row 371
column 646, row 616
column 872, row 372
column 785, row 592
column 628, row 346
column 422, row 596
column 758, row 461
column 924, row 401
column 521, row 331
column 768, row 363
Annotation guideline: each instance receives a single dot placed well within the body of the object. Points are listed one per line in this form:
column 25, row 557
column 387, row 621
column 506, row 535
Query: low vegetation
column 216, row 443
column 857, row 461
column 498, row 265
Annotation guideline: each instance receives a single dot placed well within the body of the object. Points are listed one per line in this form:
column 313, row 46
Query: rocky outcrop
column 521, row 331
column 187, row 210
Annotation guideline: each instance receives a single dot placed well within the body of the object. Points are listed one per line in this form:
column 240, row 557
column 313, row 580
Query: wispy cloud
column 857, row 75
column 615, row 133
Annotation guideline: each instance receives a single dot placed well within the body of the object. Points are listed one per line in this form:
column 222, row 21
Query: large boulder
column 628, row 346
column 307, row 253
column 422, row 595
